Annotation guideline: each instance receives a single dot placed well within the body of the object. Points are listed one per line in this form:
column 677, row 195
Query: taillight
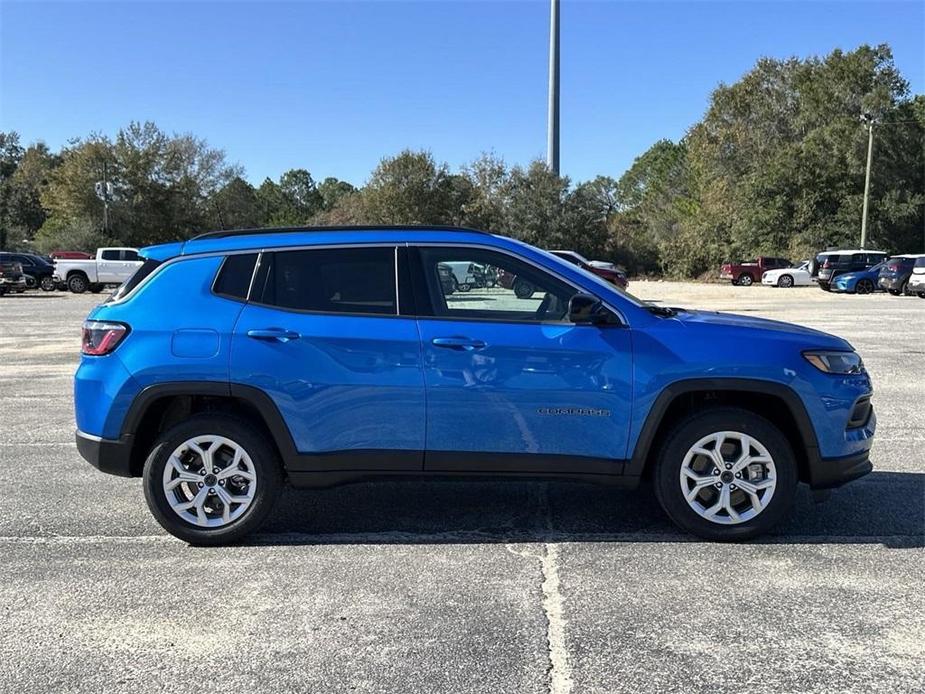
column 101, row 337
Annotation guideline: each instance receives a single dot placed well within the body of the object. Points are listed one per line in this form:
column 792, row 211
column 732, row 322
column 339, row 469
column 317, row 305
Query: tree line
column 775, row 167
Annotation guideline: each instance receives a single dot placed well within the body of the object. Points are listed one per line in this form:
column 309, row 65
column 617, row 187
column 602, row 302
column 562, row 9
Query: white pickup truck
column 108, row 266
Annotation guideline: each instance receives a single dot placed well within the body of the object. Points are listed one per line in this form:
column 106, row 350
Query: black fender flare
column 255, row 397
column 646, row 439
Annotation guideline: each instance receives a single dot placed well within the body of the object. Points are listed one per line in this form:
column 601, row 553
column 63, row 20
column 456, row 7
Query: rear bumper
column 828, row 473
column 106, row 455
column 890, row 282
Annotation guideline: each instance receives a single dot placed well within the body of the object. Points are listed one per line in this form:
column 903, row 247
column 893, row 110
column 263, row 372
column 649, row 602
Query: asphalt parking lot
column 464, row 586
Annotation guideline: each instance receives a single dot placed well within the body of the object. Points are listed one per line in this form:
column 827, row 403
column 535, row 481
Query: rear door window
column 359, row 280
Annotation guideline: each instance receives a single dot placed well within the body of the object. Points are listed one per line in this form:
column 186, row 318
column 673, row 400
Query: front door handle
column 458, row 343
column 278, row 334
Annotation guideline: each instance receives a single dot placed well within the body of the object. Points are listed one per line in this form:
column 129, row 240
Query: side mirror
column 584, row 309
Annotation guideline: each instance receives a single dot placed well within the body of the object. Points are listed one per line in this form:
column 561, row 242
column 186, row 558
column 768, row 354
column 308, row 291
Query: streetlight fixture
column 869, row 121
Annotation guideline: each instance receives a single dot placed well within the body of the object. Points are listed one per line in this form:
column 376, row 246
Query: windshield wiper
column 665, row 311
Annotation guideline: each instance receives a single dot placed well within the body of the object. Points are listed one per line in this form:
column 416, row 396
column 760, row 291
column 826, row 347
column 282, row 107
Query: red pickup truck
column 748, row 272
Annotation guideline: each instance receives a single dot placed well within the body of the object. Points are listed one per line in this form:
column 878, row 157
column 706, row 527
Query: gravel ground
column 462, row 587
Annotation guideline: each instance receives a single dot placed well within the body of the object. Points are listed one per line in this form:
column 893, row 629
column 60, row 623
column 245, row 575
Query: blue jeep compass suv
column 236, row 361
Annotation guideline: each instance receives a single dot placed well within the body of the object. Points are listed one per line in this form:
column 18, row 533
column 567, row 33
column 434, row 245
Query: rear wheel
column 211, row 480
column 725, row 474
column 745, row 280
column 47, row 284
column 96, row 288
column 922, row 295
column 523, row 289
column 78, row 283
column 864, row 287
column 785, row 281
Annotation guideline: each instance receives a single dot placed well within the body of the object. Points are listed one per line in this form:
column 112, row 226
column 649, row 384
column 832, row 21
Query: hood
column 813, row 339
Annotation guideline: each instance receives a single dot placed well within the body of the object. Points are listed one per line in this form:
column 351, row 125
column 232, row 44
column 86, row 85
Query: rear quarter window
column 234, row 277
column 146, row 268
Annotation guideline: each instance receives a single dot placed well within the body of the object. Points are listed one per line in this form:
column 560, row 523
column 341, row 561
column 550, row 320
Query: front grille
column 861, row 413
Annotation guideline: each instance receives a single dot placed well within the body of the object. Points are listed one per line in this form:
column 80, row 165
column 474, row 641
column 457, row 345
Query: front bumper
column 829, row 473
column 106, row 455
column 916, row 284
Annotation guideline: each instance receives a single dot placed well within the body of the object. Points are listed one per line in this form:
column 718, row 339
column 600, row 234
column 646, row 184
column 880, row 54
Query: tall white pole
column 552, row 149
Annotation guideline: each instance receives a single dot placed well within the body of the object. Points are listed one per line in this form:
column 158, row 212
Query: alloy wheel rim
column 209, row 481
column 728, row 477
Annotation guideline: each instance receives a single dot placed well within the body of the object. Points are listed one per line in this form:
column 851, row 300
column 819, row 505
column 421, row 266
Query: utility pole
column 552, row 149
column 104, row 192
column 869, row 120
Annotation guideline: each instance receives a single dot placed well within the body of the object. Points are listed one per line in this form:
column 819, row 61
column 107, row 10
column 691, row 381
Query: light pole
column 869, row 120
column 552, row 149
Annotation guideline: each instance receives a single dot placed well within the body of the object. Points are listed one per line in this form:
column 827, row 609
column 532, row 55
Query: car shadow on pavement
column 885, row 508
column 15, row 297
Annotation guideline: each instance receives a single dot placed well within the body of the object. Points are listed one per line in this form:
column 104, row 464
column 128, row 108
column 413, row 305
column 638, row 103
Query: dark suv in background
column 37, row 270
column 894, row 276
column 831, row 264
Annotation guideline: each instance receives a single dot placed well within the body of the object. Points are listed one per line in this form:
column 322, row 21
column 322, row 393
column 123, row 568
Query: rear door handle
column 278, row 334
column 458, row 343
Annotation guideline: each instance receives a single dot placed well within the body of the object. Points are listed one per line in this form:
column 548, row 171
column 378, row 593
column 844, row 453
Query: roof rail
column 359, row 227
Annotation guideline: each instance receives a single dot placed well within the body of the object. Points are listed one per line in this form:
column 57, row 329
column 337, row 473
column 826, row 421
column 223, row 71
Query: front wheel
column 726, row 474
column 922, row 295
column 864, row 287
column 212, row 479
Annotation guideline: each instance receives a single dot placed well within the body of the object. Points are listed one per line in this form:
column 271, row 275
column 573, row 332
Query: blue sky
column 334, row 86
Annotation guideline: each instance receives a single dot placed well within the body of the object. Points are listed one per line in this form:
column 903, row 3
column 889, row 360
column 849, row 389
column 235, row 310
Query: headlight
column 836, row 362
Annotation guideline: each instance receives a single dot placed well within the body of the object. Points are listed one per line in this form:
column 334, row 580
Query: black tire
column 47, row 284
column 745, row 280
column 895, row 292
column 464, row 287
column 523, row 289
column 692, row 429
column 31, row 283
column 78, row 283
column 266, row 463
column 785, row 281
column 864, row 287
column 97, row 288
column 922, row 295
